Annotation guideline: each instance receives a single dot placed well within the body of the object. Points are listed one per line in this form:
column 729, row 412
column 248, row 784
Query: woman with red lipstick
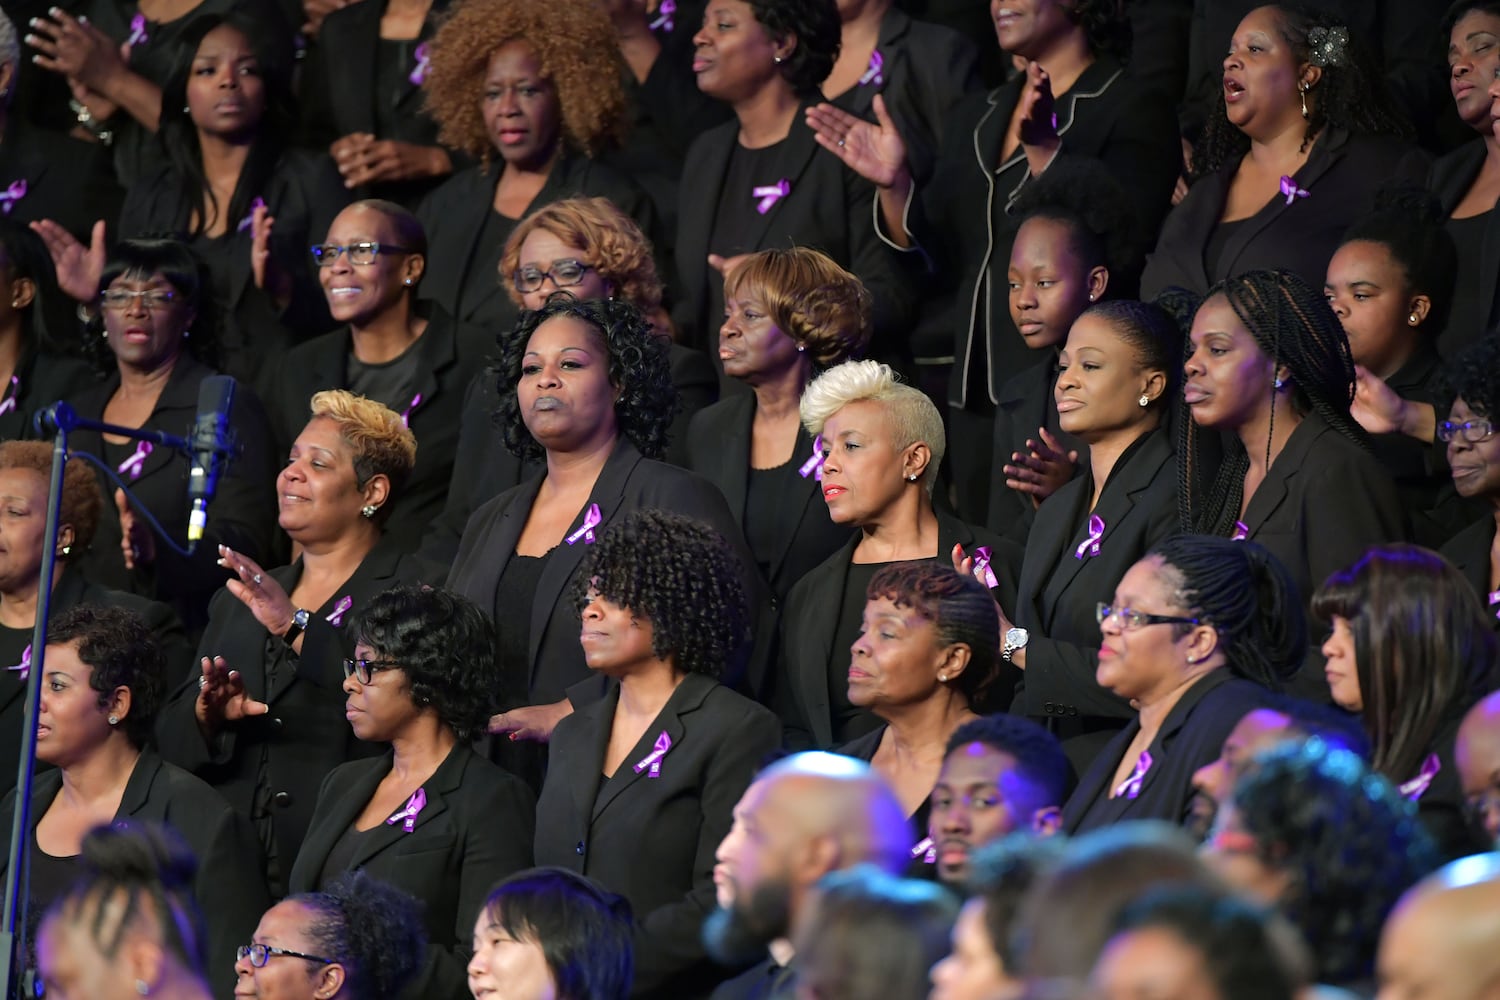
column 883, row 442
column 263, row 721
column 1267, row 449
column 1474, row 460
column 1303, row 137
column 788, row 315
column 533, row 92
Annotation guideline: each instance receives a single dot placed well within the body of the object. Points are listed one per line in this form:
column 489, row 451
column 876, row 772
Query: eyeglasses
column 1473, row 431
column 120, row 299
column 1131, row 619
column 365, row 670
column 564, row 274
column 324, row 254
column 260, row 954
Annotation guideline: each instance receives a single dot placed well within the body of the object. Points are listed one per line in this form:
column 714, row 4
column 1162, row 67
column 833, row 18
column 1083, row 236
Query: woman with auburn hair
column 788, row 315
column 1410, row 650
column 538, row 87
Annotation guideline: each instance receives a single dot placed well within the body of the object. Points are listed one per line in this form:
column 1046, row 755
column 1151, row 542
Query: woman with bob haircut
column 548, row 932
column 1410, row 650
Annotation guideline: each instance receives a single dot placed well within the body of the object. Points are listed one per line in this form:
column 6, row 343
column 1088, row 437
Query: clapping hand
column 1043, row 469
column 222, row 698
column 874, row 151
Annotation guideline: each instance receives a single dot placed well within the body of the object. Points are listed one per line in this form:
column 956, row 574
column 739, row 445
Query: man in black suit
column 822, row 806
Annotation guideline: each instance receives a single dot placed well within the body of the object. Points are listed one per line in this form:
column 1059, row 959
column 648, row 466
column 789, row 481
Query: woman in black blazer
column 1116, row 385
column 1474, row 459
column 883, row 442
column 534, row 85
column 788, row 315
column 1294, row 153
column 430, row 817
column 642, row 784
column 263, row 720
column 411, row 357
column 759, row 181
column 98, row 706
column 1196, row 635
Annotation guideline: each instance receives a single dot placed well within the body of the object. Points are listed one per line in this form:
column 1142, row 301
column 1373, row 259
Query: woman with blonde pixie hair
column 881, row 443
column 264, row 721
column 788, row 314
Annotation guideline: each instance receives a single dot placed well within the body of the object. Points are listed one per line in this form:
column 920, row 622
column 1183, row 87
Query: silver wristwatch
column 1015, row 639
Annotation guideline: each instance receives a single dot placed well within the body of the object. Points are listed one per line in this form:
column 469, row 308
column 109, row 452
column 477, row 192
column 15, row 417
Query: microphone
column 211, row 445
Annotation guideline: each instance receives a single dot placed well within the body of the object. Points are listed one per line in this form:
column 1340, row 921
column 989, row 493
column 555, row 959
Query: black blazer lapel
column 811, row 494
column 731, row 453
column 698, row 203
column 1050, row 532
column 1327, row 151
column 829, row 581
column 439, row 351
column 340, row 809
column 581, row 763
column 687, row 698
column 1273, row 490
column 443, row 783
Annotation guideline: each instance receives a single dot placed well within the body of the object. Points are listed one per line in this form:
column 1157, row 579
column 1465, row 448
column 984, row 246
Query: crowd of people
column 837, row 499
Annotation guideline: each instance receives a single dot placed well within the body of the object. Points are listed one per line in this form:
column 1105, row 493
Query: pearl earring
column 776, row 60
column 1412, row 319
column 407, row 282
column 800, row 348
column 114, row 720
column 368, row 510
column 1145, row 400
column 943, row 678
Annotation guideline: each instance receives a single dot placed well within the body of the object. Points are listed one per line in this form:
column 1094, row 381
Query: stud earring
column 800, row 348
column 911, row 479
column 776, row 60
column 142, row 987
column 1413, row 319
column 66, row 550
column 407, row 282
column 368, row 510
column 114, row 720
column 943, row 678
column 1145, row 400
column 1091, row 296
column 1302, row 93
column 1278, row 383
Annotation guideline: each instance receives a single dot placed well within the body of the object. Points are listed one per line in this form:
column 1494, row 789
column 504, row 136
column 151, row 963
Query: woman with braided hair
column 1198, row 634
column 1268, row 450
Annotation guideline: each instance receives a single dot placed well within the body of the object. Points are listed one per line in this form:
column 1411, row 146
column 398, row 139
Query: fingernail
column 512, row 737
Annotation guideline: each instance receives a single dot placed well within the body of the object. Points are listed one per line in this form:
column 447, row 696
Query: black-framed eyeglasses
column 564, row 274
column 1473, row 431
column 324, row 254
column 260, row 954
column 1131, row 619
column 120, row 299
column 366, row 670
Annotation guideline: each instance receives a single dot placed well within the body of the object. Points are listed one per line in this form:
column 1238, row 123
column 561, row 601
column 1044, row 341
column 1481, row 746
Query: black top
column 389, row 382
column 1472, row 287
column 50, row 876
column 493, row 232
column 394, row 63
column 737, row 220
column 1450, row 179
column 1025, row 404
column 1469, row 552
column 850, row 722
column 341, row 855
column 517, row 586
column 766, row 527
column 40, row 379
column 1214, row 257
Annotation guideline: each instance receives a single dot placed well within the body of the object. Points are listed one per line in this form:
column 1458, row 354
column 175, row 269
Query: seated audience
column 1443, row 939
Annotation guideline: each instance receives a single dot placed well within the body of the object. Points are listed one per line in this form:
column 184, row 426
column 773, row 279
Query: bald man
column 1477, row 755
column 803, row 817
column 1442, row 941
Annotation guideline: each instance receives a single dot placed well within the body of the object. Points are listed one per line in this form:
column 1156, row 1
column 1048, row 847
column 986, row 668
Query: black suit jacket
column 42, row 378
column 304, row 735
column 1192, row 736
column 810, row 624
column 1469, row 551
column 1024, row 404
column 652, row 840
column 242, row 514
column 1450, row 179
column 628, row 482
column 450, row 355
column 66, row 180
column 1341, row 175
column 719, row 451
column 473, row 831
column 229, row 886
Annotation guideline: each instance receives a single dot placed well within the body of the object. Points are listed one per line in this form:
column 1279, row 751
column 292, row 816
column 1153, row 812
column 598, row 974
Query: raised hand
column 964, row 563
column 1378, row 408
column 222, row 698
column 78, row 267
column 316, row 10
column 75, row 48
column 137, row 544
column 1041, row 470
column 724, row 265
column 258, row 591
column 1037, row 109
column 874, row 151
column 532, row 722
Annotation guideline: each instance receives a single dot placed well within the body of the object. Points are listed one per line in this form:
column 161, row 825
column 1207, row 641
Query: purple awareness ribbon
column 1090, row 545
column 12, row 194
column 982, row 571
column 138, row 34
column 873, row 73
column 1241, row 532
column 654, row 758
column 24, row 667
column 416, row 401
column 137, row 461
column 10, row 400
column 770, row 194
column 664, row 14
column 336, row 617
column 814, row 466
column 1291, row 190
column 926, row 850
column 1131, row 787
column 249, row 219
column 407, row 817
column 1495, row 602
column 418, row 75
column 591, row 520
column 1414, row 788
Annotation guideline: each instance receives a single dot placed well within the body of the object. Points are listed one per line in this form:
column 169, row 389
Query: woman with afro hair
column 642, row 784
column 1474, row 458
column 536, row 87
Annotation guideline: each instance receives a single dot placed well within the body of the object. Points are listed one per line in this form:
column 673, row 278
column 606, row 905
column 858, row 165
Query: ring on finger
column 202, row 682
column 256, row 578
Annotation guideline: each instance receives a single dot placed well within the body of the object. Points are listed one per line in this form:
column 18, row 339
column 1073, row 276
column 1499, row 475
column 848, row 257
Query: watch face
column 1016, row 637
column 301, row 618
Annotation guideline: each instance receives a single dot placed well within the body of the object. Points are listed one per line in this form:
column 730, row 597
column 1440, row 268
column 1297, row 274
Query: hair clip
column 1329, row 46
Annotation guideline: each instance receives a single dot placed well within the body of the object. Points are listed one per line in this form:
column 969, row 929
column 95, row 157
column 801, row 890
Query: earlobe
column 333, row 981
column 1046, row 821
column 1098, row 283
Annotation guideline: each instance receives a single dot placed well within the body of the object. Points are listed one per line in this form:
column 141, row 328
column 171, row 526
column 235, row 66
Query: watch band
column 297, row 627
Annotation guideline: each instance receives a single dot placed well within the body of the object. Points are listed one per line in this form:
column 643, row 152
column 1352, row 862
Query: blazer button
column 1072, row 710
column 282, row 799
column 277, row 725
column 1047, row 708
column 579, row 848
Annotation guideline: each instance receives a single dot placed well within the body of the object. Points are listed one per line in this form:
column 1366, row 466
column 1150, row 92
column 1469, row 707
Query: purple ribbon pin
column 926, row 850
column 137, row 461
column 1241, row 532
column 873, row 74
column 418, row 75
column 24, row 667
column 1291, row 190
column 407, row 817
column 10, row 400
column 1495, row 602
column 12, row 194
column 1090, row 545
column 653, row 759
column 814, row 466
column 138, row 34
column 1414, row 788
column 249, row 219
column 1131, row 786
column 336, row 617
column 982, row 571
column 664, row 14
column 416, row 401
column 591, row 520
column 770, row 194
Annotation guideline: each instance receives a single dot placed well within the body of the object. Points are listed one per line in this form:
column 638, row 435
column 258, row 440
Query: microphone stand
column 59, row 419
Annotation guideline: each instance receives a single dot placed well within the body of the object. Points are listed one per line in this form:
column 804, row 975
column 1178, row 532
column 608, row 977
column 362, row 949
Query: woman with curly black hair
column 1474, row 458
column 358, row 938
column 642, row 784
column 1267, row 449
column 1330, row 843
column 1304, row 134
column 1197, row 635
column 585, row 391
column 431, row 817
